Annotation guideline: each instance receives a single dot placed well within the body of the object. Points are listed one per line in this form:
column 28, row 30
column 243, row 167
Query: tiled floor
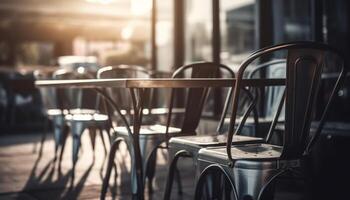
column 25, row 175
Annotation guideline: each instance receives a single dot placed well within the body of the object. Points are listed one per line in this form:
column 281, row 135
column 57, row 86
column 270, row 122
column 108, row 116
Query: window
column 34, row 53
column 237, row 30
column 198, row 30
column 164, row 34
column 291, row 20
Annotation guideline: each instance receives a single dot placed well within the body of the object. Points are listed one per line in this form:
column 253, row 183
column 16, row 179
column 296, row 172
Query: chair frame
column 78, row 126
column 132, row 140
column 296, row 145
column 60, row 128
column 190, row 151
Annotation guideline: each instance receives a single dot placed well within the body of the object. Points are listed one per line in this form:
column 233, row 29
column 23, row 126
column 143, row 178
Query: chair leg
column 103, row 141
column 58, row 126
column 178, row 180
column 57, row 138
column 77, row 130
column 43, row 136
column 110, row 136
column 211, row 183
column 267, row 189
column 65, row 133
column 110, row 165
column 92, row 133
column 171, row 173
column 76, row 146
column 151, row 167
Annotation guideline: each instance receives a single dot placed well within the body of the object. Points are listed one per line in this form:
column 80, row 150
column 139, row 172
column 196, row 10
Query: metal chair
column 188, row 146
column 151, row 136
column 52, row 114
column 121, row 97
column 82, row 112
column 251, row 169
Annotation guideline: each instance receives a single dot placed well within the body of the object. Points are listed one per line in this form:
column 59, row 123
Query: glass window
column 198, row 30
column 291, row 20
column 237, row 30
column 34, row 53
column 164, row 34
column 129, row 38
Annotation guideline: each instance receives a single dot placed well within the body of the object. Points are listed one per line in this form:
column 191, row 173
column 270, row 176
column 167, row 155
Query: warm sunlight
column 127, row 32
column 140, row 7
column 101, row 1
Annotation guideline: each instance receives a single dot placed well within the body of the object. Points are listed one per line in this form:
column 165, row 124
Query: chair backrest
column 249, row 102
column 121, row 95
column 48, row 94
column 195, row 97
column 271, row 69
column 75, row 98
column 305, row 62
column 123, row 71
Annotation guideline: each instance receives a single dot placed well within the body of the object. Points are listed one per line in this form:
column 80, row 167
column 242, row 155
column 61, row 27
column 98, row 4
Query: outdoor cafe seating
column 252, row 148
column 174, row 99
column 230, row 165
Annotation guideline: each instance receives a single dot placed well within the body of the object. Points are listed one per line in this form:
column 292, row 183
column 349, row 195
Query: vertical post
column 64, row 47
column 154, row 35
column 11, row 57
column 263, row 34
column 216, row 42
column 317, row 20
column 12, row 42
column 263, row 23
column 179, row 33
column 278, row 21
column 216, row 49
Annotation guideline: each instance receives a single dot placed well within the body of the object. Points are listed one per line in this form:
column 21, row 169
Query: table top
column 157, row 82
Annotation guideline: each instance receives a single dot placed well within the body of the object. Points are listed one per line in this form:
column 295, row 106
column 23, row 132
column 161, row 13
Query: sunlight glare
column 127, row 32
column 100, row 1
column 140, row 7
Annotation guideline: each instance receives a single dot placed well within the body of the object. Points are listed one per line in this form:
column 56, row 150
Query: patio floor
column 26, row 175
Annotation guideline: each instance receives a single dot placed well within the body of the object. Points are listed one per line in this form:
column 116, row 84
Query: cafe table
column 138, row 87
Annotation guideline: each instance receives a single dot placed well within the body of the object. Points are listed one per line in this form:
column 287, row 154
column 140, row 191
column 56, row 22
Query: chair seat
column 250, row 120
column 149, row 130
column 81, row 111
column 241, row 152
column 163, row 111
column 54, row 112
column 212, row 140
column 155, row 111
column 87, row 117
